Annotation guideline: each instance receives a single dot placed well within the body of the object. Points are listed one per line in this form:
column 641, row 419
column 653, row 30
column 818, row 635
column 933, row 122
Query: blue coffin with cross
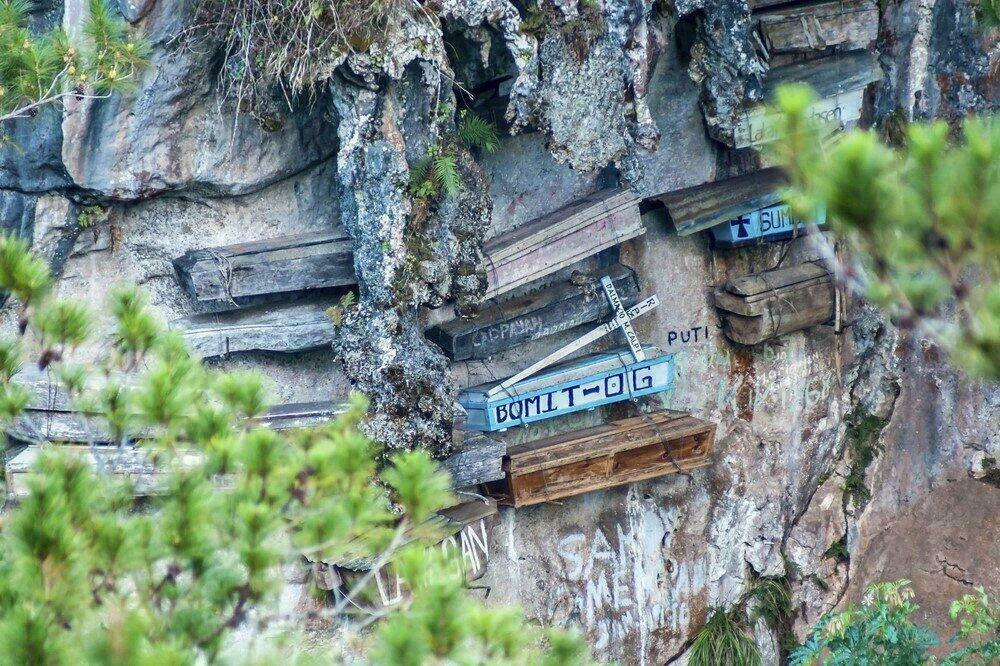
column 773, row 223
column 586, row 383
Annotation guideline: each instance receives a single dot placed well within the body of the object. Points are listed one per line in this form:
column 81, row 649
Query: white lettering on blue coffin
column 509, row 409
column 766, row 224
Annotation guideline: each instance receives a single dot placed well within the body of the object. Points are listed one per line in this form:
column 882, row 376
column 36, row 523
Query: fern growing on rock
column 436, row 173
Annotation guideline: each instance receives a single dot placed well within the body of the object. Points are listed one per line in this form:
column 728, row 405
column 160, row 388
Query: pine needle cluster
column 922, row 220
column 90, row 574
column 40, row 69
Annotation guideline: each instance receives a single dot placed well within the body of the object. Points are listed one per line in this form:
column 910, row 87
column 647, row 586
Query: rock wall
column 606, row 97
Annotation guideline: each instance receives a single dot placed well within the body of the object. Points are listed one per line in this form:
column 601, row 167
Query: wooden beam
column 291, row 327
column 52, row 417
column 585, row 383
column 561, row 238
column 765, row 305
column 128, row 463
column 700, row 207
column 502, row 325
column 477, row 461
column 613, row 454
column 839, row 82
column 226, row 278
column 847, row 24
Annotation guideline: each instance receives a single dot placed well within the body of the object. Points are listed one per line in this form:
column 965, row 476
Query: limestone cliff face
column 605, row 96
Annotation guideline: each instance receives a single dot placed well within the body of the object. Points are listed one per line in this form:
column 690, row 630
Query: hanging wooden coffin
column 547, row 311
column 705, row 206
column 620, row 452
column 773, row 223
column 765, row 305
column 281, row 328
column 839, row 82
column 589, row 382
column 561, row 238
column 847, row 24
column 477, row 461
column 234, row 276
column 128, row 463
column 51, row 416
column 468, row 523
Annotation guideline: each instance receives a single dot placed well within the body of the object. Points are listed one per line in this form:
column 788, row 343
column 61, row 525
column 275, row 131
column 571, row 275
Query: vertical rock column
column 407, row 255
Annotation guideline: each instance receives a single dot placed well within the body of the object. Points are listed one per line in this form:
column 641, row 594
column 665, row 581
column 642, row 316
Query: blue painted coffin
column 590, row 382
column 769, row 224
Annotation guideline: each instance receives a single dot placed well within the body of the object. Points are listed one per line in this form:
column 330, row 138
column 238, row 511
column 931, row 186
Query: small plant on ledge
column 436, row 173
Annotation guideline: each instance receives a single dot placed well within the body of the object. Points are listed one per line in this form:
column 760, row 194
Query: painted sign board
column 587, row 383
column 766, row 224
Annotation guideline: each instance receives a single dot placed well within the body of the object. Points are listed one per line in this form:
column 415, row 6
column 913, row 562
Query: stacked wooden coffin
column 272, row 295
column 788, row 28
column 765, row 305
column 616, row 453
column 561, row 238
column 839, row 82
column 51, row 418
column 585, row 383
column 548, row 310
column 740, row 211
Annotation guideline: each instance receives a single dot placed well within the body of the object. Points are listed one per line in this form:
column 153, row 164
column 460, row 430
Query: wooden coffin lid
column 754, row 286
column 703, row 206
column 797, row 28
column 602, row 440
column 827, row 76
column 292, row 247
column 507, row 246
column 503, row 310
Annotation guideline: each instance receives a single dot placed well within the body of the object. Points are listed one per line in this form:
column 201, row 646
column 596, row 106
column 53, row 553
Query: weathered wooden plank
column 693, row 209
column 839, row 82
column 478, row 461
column 799, row 299
column 561, row 238
column 127, row 463
column 605, row 456
column 757, row 284
column 280, row 328
column 848, row 24
column 506, row 324
column 586, row 383
column 226, row 278
column 51, row 416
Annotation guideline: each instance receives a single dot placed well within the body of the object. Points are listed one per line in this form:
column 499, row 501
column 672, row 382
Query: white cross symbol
column 623, row 320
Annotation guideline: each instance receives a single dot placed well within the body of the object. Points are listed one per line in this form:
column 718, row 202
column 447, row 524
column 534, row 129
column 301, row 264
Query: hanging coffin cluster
column 583, row 384
column 739, row 211
column 765, row 305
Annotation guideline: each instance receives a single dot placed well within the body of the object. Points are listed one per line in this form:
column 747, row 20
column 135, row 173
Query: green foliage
column 988, row 13
column 36, row 70
column 838, row 551
column 725, row 639
column 923, row 220
column 881, row 631
column 861, row 437
column 436, row 172
column 475, row 132
column 90, row 216
column 89, row 574
column 771, row 601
